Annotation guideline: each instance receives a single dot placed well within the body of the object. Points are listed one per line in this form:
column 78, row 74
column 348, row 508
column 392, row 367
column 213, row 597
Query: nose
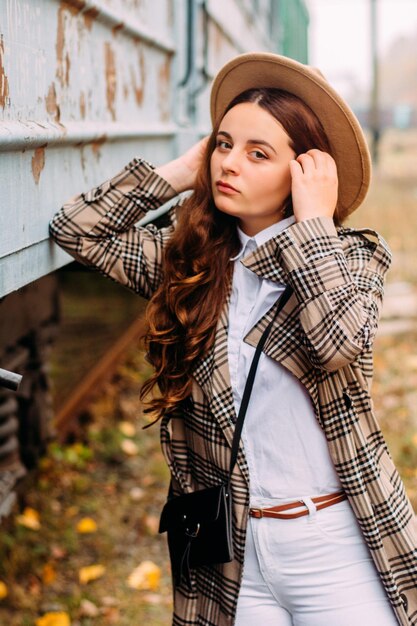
column 230, row 162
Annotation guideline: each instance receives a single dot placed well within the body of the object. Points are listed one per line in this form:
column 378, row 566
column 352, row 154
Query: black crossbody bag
column 199, row 524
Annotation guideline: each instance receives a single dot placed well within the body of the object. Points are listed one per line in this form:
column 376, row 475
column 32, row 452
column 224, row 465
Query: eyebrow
column 258, row 142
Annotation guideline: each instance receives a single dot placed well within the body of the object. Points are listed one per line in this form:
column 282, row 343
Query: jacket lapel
column 263, row 262
column 285, row 343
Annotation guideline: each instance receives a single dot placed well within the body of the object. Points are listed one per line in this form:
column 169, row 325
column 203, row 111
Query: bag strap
column 283, row 299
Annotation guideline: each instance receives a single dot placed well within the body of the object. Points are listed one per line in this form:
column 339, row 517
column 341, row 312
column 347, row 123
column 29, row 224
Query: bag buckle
column 258, row 513
column 187, row 531
column 193, row 533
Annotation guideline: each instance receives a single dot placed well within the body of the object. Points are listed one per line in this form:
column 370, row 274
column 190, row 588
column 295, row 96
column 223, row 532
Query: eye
column 258, row 155
column 223, row 144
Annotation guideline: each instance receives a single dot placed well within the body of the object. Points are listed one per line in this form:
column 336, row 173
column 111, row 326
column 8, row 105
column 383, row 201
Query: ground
column 115, row 477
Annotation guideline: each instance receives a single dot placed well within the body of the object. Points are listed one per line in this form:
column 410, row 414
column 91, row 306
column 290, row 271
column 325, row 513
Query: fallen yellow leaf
column 91, row 572
column 86, row 525
column 129, row 447
column 48, row 573
column 29, row 518
column 146, row 576
column 54, row 619
column 4, row 592
column 127, row 428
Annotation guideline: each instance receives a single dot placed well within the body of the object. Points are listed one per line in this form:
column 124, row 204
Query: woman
column 322, row 524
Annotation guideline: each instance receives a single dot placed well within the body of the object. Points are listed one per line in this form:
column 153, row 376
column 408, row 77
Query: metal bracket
column 10, row 380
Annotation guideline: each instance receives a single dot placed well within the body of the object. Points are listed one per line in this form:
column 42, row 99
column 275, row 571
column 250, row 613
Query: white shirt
column 286, row 449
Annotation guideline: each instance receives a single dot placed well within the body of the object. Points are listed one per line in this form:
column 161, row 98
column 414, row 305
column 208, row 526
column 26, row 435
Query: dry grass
column 391, row 205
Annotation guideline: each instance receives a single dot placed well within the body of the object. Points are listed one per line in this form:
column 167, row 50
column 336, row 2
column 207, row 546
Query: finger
column 316, row 153
column 307, row 162
column 322, row 160
column 202, row 144
column 295, row 169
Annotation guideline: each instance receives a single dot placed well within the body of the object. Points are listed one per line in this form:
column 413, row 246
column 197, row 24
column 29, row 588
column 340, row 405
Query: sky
column 340, row 36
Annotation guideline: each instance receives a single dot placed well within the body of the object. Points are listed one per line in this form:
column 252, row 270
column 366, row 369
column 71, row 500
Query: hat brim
column 349, row 145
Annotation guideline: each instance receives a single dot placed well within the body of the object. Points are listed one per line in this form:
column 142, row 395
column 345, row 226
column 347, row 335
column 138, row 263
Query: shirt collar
column 262, row 237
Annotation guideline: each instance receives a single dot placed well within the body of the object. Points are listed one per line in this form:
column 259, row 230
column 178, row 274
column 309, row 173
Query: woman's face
column 250, row 174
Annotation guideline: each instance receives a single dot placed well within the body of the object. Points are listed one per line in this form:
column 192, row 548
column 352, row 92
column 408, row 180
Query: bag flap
column 190, row 509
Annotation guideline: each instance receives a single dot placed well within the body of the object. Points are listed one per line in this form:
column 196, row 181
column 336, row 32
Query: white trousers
column 311, row 571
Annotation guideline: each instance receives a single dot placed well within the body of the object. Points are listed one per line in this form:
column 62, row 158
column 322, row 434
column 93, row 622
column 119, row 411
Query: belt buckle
column 257, row 513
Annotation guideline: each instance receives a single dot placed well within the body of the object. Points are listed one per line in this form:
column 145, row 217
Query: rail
column 66, row 419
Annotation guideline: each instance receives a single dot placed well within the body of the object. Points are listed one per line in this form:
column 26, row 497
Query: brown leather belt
column 276, row 511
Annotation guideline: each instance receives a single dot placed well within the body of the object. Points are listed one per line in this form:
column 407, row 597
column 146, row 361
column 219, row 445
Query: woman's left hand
column 314, row 185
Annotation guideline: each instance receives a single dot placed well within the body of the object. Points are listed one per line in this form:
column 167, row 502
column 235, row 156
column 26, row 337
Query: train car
column 84, row 86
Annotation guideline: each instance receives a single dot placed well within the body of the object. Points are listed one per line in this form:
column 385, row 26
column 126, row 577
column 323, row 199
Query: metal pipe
column 10, row 380
column 190, row 44
column 204, row 73
column 22, row 135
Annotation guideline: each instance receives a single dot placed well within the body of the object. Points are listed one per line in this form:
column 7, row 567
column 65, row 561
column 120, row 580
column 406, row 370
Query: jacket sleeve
column 98, row 228
column 338, row 279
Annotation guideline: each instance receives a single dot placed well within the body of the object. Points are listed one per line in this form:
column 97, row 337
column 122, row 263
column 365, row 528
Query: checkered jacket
column 323, row 335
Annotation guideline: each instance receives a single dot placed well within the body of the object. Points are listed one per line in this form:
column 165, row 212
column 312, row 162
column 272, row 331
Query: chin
column 225, row 206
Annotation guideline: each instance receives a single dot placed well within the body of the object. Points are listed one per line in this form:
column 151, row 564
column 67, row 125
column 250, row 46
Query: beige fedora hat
column 350, row 149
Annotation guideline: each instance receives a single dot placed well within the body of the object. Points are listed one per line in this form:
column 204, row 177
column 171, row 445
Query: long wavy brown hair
column 184, row 311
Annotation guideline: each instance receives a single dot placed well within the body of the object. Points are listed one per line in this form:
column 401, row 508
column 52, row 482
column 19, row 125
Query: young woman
column 323, row 531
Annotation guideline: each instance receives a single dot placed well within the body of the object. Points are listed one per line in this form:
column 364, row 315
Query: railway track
column 67, row 416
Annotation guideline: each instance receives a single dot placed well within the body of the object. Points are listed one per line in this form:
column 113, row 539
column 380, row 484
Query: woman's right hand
column 181, row 172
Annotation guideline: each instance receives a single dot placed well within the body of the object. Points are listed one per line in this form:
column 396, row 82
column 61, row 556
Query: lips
column 222, row 186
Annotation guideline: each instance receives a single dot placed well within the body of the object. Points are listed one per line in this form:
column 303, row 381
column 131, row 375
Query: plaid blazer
column 323, row 335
